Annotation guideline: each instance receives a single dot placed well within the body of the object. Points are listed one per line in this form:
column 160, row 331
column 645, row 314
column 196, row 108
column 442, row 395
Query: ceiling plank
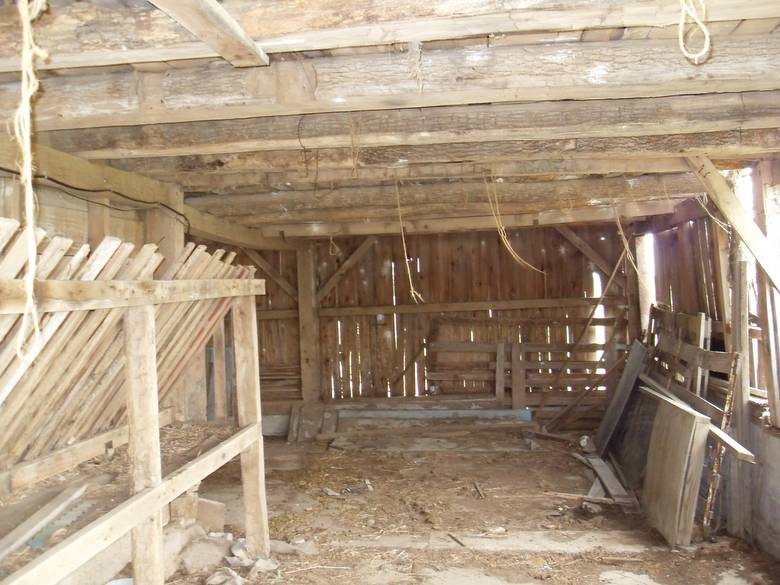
column 133, row 33
column 579, row 215
column 474, row 123
column 211, row 23
column 457, row 75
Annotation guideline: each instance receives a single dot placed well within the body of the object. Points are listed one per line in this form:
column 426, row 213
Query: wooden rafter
column 360, row 252
column 211, row 23
column 727, row 202
column 590, row 253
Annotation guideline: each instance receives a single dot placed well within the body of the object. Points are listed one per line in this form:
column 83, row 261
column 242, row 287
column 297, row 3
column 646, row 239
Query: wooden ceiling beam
column 211, row 23
column 458, row 75
column 580, row 215
column 451, row 195
column 124, row 33
column 724, row 144
column 440, row 125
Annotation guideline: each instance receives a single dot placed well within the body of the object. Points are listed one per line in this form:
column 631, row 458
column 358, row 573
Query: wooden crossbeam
column 65, row 295
column 358, row 82
column 364, row 248
column 211, row 23
column 272, row 273
column 727, row 202
column 62, row 559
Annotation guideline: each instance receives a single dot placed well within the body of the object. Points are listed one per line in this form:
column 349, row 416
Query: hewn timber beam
column 454, row 196
column 496, row 73
column 78, row 295
column 441, row 125
column 724, row 144
column 581, row 215
column 96, row 181
column 590, row 253
column 133, row 33
column 272, row 273
column 364, row 248
column 211, row 23
column 67, row 556
column 301, row 179
column 727, row 202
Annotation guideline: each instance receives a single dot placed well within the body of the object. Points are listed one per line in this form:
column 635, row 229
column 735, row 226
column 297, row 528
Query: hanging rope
column 502, row 234
column 416, row 296
column 690, row 11
column 333, row 248
column 28, row 12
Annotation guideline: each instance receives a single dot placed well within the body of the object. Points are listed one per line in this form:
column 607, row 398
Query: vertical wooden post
column 739, row 513
column 518, row 376
column 309, row 324
column 500, row 374
column 144, row 438
column 98, row 221
column 632, row 296
column 220, row 372
column 163, row 228
column 247, row 360
column 721, row 262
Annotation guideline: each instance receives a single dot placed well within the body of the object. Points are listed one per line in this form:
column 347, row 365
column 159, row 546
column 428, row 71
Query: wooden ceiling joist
column 724, row 144
column 482, row 222
column 459, row 75
column 440, row 125
column 211, row 23
column 511, row 196
column 136, row 33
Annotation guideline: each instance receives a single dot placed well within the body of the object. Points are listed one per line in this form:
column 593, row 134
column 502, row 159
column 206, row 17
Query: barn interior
column 389, row 292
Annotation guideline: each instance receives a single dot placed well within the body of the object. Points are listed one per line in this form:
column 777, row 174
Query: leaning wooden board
column 674, row 467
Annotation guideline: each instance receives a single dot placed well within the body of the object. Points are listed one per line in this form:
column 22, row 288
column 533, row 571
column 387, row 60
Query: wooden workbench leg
column 247, row 357
column 144, row 439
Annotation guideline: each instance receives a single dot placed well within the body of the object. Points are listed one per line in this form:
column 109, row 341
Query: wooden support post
column 98, row 221
column 500, row 373
column 247, row 360
column 162, row 227
column 739, row 510
column 309, row 324
column 220, row 372
column 144, row 439
column 518, row 376
column 633, row 295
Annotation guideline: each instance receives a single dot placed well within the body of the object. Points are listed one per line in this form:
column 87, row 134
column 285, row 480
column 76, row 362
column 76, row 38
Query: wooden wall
column 380, row 353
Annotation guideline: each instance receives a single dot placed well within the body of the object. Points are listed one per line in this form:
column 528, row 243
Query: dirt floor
column 455, row 508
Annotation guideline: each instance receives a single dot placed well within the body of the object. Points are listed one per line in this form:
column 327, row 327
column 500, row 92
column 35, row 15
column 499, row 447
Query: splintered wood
column 76, row 386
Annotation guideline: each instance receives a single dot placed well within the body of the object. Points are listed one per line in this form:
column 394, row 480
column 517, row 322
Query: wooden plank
column 247, row 355
column 739, row 451
column 591, row 254
column 673, row 472
column 309, row 325
column 726, row 200
column 272, row 273
column 362, row 250
column 83, row 296
column 19, row 536
column 98, row 221
column 211, row 23
column 500, row 372
column 220, row 372
column 65, row 557
column 518, row 376
column 144, row 439
column 625, row 386
column 467, row 306
column 28, row 473
column 608, row 478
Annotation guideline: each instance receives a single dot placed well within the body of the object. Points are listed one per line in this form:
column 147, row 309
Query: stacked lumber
column 75, row 386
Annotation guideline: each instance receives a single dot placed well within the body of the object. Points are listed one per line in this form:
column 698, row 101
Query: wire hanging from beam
column 416, row 296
